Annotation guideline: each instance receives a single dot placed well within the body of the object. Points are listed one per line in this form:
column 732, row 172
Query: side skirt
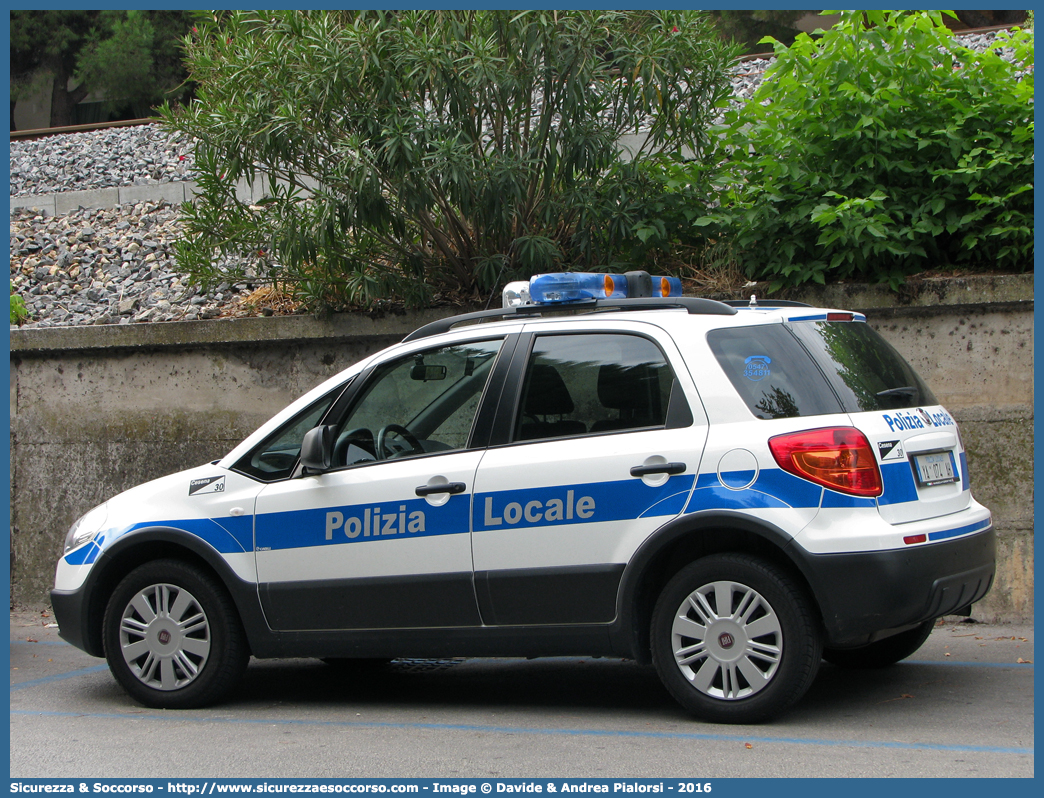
column 486, row 641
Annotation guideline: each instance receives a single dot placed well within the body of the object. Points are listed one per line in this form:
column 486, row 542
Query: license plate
column 934, row 469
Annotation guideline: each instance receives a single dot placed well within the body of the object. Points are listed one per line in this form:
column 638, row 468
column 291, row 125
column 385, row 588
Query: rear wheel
column 172, row 636
column 882, row 653
column 734, row 639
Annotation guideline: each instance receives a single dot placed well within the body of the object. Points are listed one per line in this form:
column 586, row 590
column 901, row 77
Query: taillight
column 839, row 458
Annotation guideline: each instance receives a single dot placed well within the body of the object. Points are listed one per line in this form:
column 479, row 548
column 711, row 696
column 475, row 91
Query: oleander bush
column 411, row 153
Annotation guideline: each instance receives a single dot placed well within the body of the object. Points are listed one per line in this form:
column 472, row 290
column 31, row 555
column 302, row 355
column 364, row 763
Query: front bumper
column 69, row 608
column 865, row 596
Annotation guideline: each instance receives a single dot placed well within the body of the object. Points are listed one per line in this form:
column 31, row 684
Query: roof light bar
column 563, row 287
column 516, row 294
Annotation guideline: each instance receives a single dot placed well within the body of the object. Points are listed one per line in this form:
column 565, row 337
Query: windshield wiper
column 906, row 390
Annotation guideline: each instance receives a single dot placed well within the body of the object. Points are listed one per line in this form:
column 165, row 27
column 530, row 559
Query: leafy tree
column 749, row 28
column 884, row 149
column 131, row 57
column 406, row 153
column 134, row 59
column 49, row 41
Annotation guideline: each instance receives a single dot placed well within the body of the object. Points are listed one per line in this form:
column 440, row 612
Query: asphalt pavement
column 961, row 707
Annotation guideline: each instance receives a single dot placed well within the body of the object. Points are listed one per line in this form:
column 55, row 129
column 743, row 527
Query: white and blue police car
column 732, row 491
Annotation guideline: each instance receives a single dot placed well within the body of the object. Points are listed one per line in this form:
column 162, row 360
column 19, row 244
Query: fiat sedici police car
column 731, row 491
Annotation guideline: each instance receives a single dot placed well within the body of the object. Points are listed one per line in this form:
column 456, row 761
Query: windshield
column 865, row 370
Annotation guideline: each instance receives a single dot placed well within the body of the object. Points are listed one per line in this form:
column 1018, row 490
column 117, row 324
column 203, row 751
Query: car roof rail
column 765, row 303
column 693, row 305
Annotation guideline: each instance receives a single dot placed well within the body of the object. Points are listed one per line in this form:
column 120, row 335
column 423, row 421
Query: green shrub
column 883, row 149
column 19, row 312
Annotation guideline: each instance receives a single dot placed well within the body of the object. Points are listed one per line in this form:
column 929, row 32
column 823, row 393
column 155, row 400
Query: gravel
column 116, row 265
column 119, row 156
column 108, row 266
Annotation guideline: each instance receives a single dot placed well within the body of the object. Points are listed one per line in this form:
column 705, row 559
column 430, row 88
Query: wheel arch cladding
column 684, row 540
column 146, row 545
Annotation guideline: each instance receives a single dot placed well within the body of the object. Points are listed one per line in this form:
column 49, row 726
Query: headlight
column 86, row 527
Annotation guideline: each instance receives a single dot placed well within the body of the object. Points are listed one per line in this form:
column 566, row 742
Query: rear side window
column 772, row 372
column 816, row 368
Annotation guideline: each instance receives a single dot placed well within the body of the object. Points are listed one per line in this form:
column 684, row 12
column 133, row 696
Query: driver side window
column 417, row 404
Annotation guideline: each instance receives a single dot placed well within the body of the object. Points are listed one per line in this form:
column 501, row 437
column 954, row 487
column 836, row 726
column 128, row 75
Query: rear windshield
column 865, row 370
column 815, row 368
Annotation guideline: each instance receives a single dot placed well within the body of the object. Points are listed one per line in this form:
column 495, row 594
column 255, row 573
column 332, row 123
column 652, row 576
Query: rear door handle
column 448, row 487
column 662, row 468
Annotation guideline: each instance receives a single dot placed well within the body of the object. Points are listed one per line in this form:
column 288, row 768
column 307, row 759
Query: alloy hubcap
column 727, row 640
column 165, row 637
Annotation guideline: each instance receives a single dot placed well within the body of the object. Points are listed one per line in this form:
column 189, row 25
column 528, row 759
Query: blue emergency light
column 578, row 286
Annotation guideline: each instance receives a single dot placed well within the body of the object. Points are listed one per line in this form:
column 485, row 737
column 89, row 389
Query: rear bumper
column 867, row 595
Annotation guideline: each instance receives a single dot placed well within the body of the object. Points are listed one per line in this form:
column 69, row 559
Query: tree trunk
column 987, row 19
column 63, row 102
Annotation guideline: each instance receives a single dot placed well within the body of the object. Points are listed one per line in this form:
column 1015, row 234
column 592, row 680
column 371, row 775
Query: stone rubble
column 107, row 266
column 114, row 157
column 116, row 265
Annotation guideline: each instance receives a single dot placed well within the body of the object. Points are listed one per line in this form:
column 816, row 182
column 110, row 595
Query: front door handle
column 448, row 487
column 661, row 468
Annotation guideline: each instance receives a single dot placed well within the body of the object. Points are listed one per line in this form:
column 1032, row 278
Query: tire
column 743, row 663
column 882, row 653
column 172, row 636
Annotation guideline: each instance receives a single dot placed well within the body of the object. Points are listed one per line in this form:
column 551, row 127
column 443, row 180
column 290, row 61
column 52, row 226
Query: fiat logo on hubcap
column 164, row 637
column 726, row 640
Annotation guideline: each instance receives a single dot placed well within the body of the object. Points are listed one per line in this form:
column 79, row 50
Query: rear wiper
column 906, row 390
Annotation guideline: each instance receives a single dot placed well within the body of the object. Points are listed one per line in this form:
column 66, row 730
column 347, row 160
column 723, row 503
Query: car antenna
column 496, row 282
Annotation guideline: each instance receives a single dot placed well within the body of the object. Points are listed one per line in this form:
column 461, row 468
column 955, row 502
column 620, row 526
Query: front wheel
column 172, row 636
column 734, row 639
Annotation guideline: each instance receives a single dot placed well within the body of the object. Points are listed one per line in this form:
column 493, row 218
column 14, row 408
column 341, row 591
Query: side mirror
column 317, row 449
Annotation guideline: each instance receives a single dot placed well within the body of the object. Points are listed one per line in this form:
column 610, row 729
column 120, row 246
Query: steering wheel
column 360, row 436
column 383, row 453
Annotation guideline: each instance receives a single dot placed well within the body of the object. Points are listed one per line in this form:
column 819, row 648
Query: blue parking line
column 58, row 677
column 623, row 734
column 969, row 664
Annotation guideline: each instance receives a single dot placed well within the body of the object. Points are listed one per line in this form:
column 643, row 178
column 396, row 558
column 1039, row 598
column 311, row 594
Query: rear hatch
column 855, row 371
column 918, row 447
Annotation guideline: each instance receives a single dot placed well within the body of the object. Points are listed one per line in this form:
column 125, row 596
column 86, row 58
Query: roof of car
column 695, row 306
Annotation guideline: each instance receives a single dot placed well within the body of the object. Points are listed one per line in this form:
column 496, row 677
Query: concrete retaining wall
column 175, row 192
column 96, row 410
